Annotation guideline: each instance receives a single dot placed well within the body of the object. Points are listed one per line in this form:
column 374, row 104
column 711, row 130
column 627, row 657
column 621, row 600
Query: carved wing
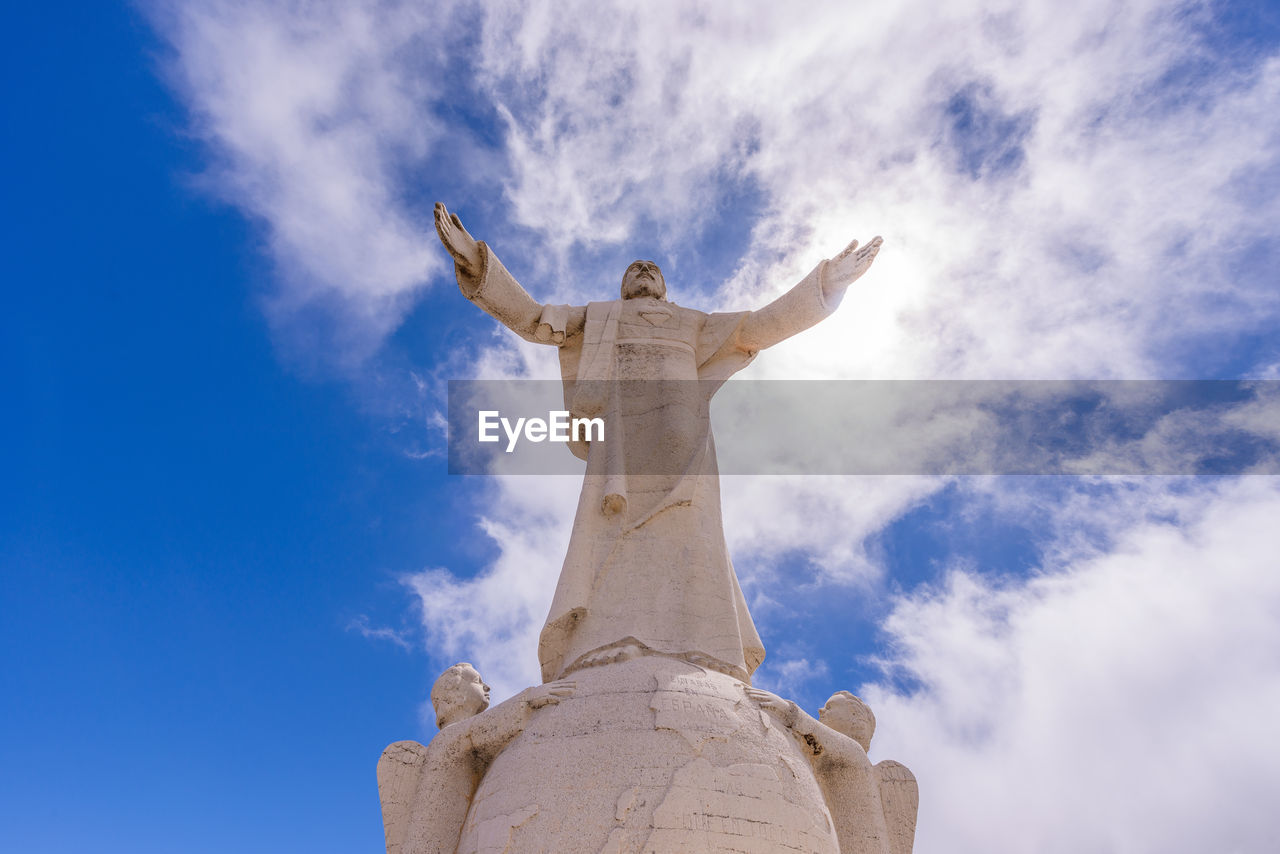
column 900, row 797
column 399, row 771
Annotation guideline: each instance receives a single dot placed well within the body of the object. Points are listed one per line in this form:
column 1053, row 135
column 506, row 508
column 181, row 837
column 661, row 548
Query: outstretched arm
column 491, row 731
column 461, row 245
column 807, row 303
column 844, row 774
column 792, row 717
column 483, row 280
column 847, row 267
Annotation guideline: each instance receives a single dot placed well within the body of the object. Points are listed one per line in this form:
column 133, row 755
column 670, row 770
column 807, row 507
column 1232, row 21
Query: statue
column 659, row 744
column 427, row 790
column 647, row 570
column 873, row 806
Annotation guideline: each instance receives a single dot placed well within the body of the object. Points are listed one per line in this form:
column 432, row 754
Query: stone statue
column 873, row 806
column 659, row 745
column 426, row 791
column 647, row 571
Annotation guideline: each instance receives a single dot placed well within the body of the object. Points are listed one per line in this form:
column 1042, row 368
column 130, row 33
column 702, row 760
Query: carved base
column 650, row 755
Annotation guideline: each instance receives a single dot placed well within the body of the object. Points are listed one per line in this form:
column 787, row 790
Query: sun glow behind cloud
column 1064, row 194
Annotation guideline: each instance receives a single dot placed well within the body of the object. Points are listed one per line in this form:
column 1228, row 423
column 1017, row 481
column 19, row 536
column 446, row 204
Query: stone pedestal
column 650, row 755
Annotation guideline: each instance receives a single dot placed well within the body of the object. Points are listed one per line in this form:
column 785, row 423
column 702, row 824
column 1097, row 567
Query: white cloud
column 827, row 519
column 1100, row 252
column 1123, row 702
column 789, row 676
column 493, row 619
column 310, row 111
column 1061, row 194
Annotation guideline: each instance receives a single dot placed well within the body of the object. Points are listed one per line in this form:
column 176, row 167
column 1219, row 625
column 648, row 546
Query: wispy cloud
column 1051, row 208
column 311, row 112
column 789, row 676
column 398, row 637
column 1060, row 196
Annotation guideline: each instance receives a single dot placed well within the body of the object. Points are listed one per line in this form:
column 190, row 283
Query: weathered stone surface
column 900, row 800
column 650, row 755
column 426, row 791
column 873, row 807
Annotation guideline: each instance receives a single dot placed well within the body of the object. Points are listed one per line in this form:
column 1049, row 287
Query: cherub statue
column 426, row 790
column 873, row 806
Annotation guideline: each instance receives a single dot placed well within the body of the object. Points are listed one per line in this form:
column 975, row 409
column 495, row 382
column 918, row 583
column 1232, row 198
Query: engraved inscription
column 698, row 708
column 743, row 827
column 725, row 689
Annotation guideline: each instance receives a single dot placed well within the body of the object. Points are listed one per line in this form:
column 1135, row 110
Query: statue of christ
column 647, row 569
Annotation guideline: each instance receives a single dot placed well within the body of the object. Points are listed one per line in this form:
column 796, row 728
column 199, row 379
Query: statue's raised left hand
column 844, row 269
column 549, row 694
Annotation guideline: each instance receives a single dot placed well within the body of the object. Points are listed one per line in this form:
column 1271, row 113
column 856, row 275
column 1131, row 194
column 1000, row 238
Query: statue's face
column 643, row 279
column 472, row 696
column 849, row 716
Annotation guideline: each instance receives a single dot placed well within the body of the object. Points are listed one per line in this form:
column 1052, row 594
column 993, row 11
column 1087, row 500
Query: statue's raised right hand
column 461, row 245
column 784, row 710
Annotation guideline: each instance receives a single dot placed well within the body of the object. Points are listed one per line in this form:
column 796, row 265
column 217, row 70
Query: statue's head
column 643, row 279
column 847, row 714
column 458, row 694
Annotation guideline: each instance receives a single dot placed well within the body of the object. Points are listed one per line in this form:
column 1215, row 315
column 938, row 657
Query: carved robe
column 647, row 567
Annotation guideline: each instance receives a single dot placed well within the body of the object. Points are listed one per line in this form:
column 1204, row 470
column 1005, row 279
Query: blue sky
column 233, row 562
